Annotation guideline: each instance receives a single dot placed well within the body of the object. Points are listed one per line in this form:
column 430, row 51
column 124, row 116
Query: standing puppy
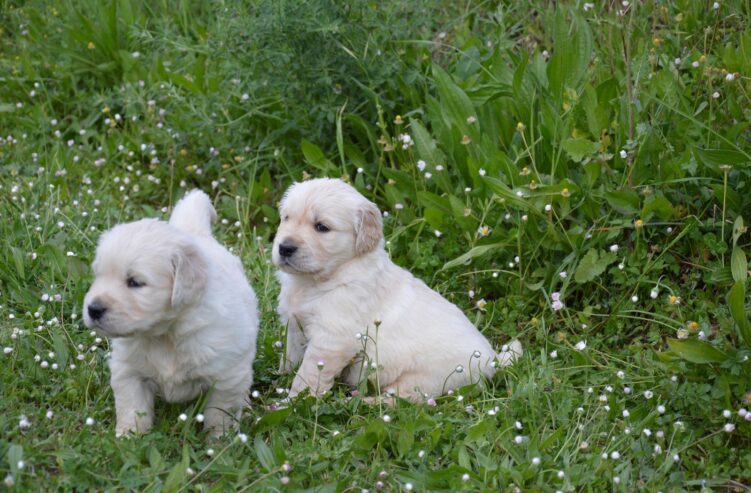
column 337, row 281
column 180, row 313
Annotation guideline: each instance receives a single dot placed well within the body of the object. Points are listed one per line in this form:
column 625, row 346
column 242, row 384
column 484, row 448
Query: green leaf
column 592, row 265
column 739, row 265
column 272, row 419
column 714, row 158
column 624, row 201
column 578, row 149
column 660, row 206
column 429, row 199
column 737, row 229
column 425, row 145
column 315, row 157
column 475, row 252
column 737, row 303
column 15, row 454
column 696, row 351
column 264, row 453
column 178, row 473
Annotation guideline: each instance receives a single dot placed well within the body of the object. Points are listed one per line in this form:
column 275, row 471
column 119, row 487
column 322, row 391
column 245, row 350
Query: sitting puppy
column 337, row 281
column 180, row 313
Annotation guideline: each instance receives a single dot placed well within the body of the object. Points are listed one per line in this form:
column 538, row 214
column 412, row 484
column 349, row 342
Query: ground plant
column 575, row 175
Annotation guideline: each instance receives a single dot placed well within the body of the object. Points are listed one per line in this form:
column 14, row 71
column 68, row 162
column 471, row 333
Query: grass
column 573, row 176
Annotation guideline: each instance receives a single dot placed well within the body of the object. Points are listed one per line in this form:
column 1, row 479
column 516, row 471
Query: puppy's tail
column 510, row 353
column 194, row 213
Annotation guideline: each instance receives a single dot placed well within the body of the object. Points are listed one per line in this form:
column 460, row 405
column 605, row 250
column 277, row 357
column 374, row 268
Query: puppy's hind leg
column 134, row 405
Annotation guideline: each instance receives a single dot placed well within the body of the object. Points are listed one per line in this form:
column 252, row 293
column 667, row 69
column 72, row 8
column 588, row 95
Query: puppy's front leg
column 318, row 370
column 134, row 405
column 223, row 411
column 295, row 348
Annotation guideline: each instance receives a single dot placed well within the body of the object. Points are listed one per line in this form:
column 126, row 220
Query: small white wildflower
column 242, row 437
column 626, row 414
column 581, row 345
column 536, row 461
column 89, row 421
column 563, row 274
column 183, row 417
column 614, row 247
column 200, row 418
column 561, row 474
column 554, row 354
column 623, row 154
column 482, row 171
column 386, row 418
column 726, row 414
column 465, row 477
column 661, row 409
column 615, row 455
column 729, row 427
column 648, row 394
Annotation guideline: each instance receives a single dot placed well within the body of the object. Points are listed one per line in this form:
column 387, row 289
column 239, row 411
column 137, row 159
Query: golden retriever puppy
column 181, row 315
column 348, row 308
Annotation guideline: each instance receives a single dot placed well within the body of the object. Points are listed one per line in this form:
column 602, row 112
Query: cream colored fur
column 189, row 325
column 341, row 282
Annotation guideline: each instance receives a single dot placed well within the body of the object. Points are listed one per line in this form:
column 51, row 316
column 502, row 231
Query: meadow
column 576, row 175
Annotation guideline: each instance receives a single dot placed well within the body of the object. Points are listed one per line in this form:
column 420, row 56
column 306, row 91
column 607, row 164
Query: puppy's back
column 194, row 213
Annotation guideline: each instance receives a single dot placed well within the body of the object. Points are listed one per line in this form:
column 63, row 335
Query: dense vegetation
column 575, row 175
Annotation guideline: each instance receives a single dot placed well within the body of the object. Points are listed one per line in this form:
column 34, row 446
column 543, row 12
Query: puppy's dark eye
column 133, row 283
column 321, row 228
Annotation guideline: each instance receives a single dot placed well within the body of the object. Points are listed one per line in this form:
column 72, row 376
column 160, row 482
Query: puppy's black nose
column 96, row 310
column 286, row 249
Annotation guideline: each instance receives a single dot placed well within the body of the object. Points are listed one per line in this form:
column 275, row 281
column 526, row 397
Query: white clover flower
column 715, row 95
column 647, row 432
column 634, row 298
column 648, row 394
column 24, row 422
column 626, row 414
column 729, row 427
column 548, row 207
column 7, row 350
column 661, row 409
column 465, row 477
column 621, row 375
column 183, row 417
column 726, row 414
column 89, row 421
column 49, row 414
column 200, row 417
column 654, row 294
column 518, row 439
column 615, row 455
column 581, row 345
column 482, row 172
column 554, row 354
column 623, row 154
column 536, row 461
column 386, row 418
column 561, row 474
column 421, row 454
column 614, row 247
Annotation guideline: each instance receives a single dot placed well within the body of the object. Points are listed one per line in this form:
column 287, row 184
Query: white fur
column 190, row 329
column 342, row 282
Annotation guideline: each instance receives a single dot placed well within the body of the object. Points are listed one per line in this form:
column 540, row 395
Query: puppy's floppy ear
column 369, row 228
column 190, row 274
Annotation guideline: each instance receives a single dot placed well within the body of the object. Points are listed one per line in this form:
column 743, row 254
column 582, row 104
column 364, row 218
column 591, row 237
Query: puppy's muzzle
column 286, row 250
column 96, row 310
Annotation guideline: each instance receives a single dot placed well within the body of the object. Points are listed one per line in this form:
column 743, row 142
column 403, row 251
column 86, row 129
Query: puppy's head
column 146, row 272
column 324, row 223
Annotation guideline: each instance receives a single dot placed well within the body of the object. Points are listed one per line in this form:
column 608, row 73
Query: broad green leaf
column 264, row 453
column 178, row 473
column 315, row 157
column 425, row 145
column 739, row 265
column 714, row 158
column 474, row 252
column 731, row 197
column 272, row 419
column 660, row 206
column 592, row 265
column 737, row 229
column 737, row 304
column 578, row 149
column 429, row 199
column 623, row 201
column 15, row 454
column 696, row 351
